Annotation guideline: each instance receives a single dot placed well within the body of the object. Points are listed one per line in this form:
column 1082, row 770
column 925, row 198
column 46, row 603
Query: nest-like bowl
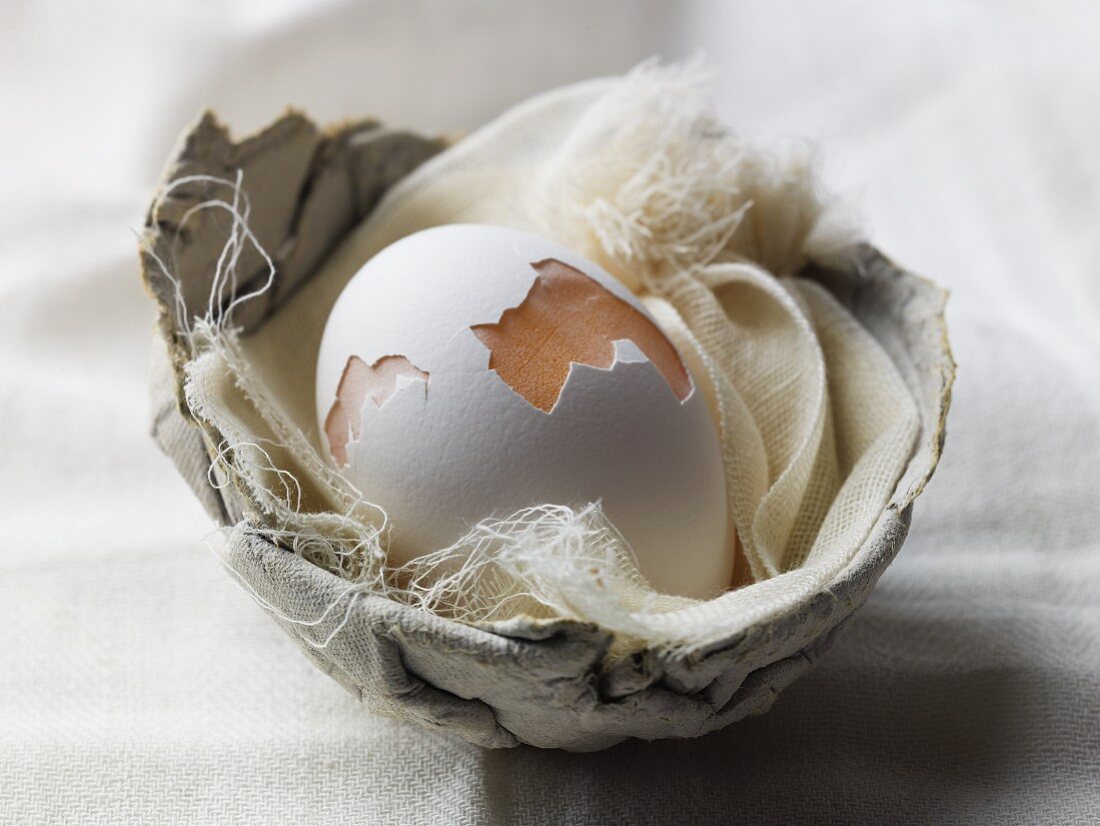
column 550, row 683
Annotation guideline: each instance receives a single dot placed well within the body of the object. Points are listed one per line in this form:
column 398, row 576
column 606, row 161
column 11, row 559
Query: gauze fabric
column 816, row 425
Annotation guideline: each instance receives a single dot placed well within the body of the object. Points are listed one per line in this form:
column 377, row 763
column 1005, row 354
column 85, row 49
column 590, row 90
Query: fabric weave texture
column 137, row 683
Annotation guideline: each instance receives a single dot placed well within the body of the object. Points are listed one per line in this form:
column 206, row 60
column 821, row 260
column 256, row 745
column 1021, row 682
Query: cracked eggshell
column 420, row 424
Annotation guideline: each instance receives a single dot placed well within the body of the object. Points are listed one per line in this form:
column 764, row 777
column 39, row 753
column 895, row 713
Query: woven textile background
column 138, row 684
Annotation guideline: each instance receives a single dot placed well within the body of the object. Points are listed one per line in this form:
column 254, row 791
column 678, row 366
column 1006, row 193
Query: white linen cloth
column 138, row 684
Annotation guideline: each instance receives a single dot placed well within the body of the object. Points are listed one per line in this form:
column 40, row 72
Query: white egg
column 469, row 371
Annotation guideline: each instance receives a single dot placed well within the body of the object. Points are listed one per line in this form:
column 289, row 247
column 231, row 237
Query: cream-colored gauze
column 637, row 174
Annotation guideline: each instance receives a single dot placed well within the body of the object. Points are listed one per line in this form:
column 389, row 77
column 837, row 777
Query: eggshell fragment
column 468, row 371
